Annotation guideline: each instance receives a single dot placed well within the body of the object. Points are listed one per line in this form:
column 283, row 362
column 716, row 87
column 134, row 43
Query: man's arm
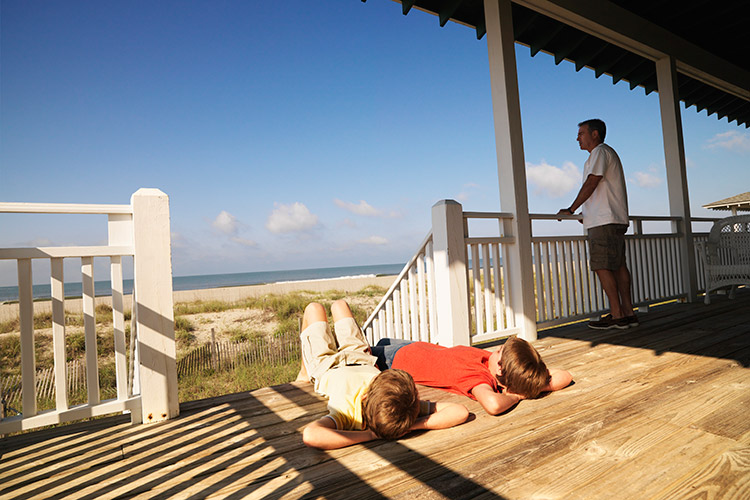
column 584, row 193
column 559, row 379
column 323, row 434
column 493, row 402
column 446, row 415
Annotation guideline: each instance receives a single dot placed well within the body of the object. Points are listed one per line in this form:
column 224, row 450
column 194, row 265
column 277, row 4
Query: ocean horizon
column 205, row 281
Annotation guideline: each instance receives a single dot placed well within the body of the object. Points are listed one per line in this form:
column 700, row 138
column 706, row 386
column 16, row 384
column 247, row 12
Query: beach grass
column 283, row 311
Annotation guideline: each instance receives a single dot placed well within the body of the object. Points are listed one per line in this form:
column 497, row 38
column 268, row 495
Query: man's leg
column 622, row 276
column 611, row 289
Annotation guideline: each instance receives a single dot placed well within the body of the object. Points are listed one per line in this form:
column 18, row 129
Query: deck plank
column 659, row 411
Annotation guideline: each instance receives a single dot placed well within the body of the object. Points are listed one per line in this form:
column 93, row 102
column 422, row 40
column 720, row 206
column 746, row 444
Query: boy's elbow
column 311, row 438
column 462, row 414
column 495, row 407
column 560, row 380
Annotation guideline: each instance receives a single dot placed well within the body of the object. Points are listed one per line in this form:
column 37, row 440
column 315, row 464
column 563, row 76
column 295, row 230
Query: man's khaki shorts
column 607, row 246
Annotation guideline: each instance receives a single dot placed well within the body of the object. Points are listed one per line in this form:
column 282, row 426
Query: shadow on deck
column 657, row 411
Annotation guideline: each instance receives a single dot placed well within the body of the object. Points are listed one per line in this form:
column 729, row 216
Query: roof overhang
column 624, row 39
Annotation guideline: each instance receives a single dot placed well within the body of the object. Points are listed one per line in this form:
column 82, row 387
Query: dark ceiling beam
column 624, row 69
column 650, row 85
column 542, row 41
column 589, row 54
column 406, row 6
column 621, row 27
column 447, row 11
column 730, row 104
column 720, row 106
column 689, row 88
column 709, row 102
column 641, row 73
column 611, row 62
column 481, row 29
column 521, row 23
column 573, row 42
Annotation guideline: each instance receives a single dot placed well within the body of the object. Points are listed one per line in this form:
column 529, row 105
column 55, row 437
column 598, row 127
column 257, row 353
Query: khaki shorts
column 322, row 351
column 607, row 246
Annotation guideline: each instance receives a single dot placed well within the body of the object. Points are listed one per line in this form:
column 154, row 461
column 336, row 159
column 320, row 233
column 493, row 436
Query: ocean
column 200, row 282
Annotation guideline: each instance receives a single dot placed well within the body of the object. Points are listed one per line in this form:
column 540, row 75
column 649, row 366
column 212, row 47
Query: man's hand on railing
column 564, row 211
column 567, row 211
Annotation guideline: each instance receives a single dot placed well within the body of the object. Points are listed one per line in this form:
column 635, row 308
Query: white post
column 153, row 296
column 511, row 165
column 674, row 153
column 451, row 286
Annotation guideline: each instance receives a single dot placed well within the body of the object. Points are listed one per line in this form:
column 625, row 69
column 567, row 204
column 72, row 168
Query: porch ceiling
column 713, row 35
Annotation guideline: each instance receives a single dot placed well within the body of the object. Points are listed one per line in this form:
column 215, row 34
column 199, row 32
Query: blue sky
column 300, row 134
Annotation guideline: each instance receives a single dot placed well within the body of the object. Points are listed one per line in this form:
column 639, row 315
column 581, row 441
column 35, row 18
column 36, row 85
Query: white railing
column 565, row 287
column 488, row 290
column 407, row 310
column 139, row 230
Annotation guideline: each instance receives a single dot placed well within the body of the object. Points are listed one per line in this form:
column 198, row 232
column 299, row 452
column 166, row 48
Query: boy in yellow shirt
column 363, row 402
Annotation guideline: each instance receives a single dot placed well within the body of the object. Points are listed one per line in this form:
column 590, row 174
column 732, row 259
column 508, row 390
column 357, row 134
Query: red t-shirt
column 455, row 369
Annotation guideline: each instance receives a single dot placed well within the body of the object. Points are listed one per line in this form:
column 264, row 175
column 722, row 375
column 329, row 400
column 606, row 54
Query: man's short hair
column 392, row 404
column 523, row 371
column 596, row 124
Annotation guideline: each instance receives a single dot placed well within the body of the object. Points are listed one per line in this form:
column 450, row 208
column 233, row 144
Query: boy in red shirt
column 497, row 379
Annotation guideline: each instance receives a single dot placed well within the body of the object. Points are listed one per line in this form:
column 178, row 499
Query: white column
column 674, row 155
column 511, row 165
column 153, row 294
column 451, row 286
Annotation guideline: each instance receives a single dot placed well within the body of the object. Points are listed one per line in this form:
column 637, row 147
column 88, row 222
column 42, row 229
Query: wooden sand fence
column 213, row 355
column 11, row 389
column 281, row 349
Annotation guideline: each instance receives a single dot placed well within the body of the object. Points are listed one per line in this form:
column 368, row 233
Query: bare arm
column 584, row 193
column 493, row 402
column 559, row 379
column 323, row 434
column 445, row 415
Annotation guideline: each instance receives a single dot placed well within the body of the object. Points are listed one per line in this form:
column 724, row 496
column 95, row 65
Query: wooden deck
column 658, row 411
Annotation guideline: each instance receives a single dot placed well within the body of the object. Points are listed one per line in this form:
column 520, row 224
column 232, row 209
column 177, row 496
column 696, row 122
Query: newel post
column 451, row 282
column 153, row 296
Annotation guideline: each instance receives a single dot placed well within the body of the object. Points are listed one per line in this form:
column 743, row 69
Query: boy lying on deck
column 363, row 402
column 498, row 379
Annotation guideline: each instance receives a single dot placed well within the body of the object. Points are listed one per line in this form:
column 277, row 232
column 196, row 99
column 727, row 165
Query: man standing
column 605, row 216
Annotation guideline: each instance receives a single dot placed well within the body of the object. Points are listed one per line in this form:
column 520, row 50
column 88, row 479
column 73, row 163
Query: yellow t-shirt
column 345, row 386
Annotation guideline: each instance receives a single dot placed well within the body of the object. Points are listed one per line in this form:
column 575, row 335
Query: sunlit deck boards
column 661, row 411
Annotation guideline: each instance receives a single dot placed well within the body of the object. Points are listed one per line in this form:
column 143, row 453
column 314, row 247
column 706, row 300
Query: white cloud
column 291, row 218
column 226, row 223
column 553, row 181
column 347, row 222
column 363, row 208
column 244, row 242
column 374, row 240
column 647, row 180
column 733, row 140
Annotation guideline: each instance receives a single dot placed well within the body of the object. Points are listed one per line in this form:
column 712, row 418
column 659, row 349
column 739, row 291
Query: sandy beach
column 226, row 294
